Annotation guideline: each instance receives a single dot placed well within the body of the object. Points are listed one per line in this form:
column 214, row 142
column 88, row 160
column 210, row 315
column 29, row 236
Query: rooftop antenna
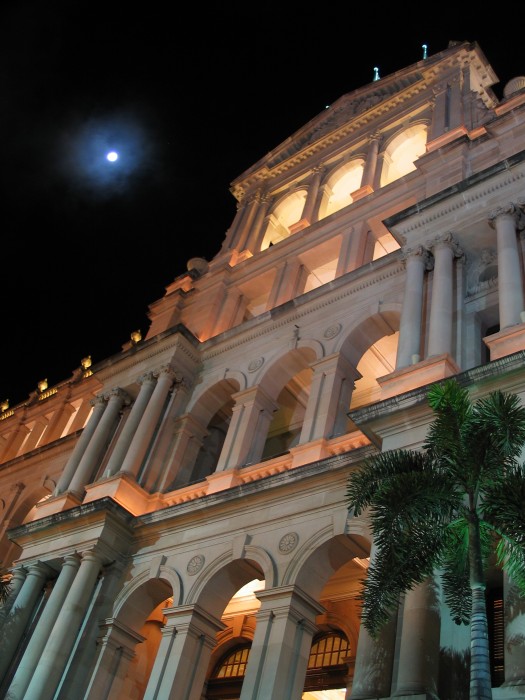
column 376, row 73
column 424, row 47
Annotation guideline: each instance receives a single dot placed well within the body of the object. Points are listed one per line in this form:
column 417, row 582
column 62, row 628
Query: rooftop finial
column 376, row 73
column 424, row 47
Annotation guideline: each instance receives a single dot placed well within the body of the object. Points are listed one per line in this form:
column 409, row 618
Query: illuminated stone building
column 173, row 517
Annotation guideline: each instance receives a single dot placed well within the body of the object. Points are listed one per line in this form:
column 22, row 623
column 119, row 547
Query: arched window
column 328, row 663
column 402, row 152
column 327, row 670
column 285, row 214
column 234, row 664
column 340, row 186
column 226, row 679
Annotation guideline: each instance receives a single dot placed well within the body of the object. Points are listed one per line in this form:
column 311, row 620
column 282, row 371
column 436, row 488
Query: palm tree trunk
column 480, row 682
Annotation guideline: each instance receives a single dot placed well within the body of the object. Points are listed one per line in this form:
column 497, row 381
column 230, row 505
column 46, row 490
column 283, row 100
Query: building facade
column 173, row 518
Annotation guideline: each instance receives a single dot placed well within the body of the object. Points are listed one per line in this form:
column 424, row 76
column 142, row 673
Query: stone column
column 289, row 282
column 35, row 436
column 116, row 650
column 16, row 620
column 310, row 214
column 58, row 422
column 329, row 399
column 254, row 239
column 40, row 636
column 97, row 445
column 147, row 385
column 189, row 434
column 510, row 283
column 15, row 584
column 146, row 428
column 15, row 439
column 281, row 646
column 370, row 169
column 248, row 219
column 445, row 249
column 355, row 245
column 374, row 663
column 233, row 233
column 99, row 406
column 61, row 640
column 514, row 616
column 419, row 645
column 417, row 260
column 188, row 638
column 248, row 429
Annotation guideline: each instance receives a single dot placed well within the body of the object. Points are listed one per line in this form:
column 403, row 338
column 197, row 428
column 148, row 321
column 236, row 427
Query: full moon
column 112, row 156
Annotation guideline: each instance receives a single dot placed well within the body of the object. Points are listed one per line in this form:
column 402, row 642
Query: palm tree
column 448, row 507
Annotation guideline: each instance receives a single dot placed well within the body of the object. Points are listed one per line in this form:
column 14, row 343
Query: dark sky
column 190, row 96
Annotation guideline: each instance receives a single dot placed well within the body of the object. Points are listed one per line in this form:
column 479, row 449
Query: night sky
column 190, row 98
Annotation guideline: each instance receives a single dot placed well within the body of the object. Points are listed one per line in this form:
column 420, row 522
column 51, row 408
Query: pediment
column 343, row 111
column 367, row 108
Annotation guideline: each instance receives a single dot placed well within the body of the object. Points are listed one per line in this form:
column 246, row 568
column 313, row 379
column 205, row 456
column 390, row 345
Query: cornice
column 472, row 190
column 176, row 338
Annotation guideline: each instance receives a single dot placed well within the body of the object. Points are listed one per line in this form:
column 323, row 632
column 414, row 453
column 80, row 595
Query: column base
column 299, row 225
column 419, row 374
column 123, row 489
column 310, row 452
column 219, row 481
column 362, row 192
column 56, row 504
column 506, row 342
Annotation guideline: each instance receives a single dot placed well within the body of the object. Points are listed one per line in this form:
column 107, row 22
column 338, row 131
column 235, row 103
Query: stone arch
column 285, row 366
column 321, row 555
column 218, row 583
column 359, row 527
column 315, row 345
column 339, row 184
column 133, row 635
column 287, row 382
column 143, row 594
column 209, row 399
column 23, row 511
column 402, row 150
column 330, row 568
column 371, row 347
column 208, row 419
column 285, row 212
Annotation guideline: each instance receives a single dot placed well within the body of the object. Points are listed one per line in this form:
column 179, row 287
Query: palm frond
column 503, row 508
column 503, row 502
column 511, row 556
column 501, row 417
column 445, row 441
column 456, row 571
column 376, row 473
column 388, row 577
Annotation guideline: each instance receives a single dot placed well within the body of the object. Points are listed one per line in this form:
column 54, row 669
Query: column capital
column 99, row 400
column 118, row 393
column 168, row 372
column 446, row 240
column 418, row 253
column 509, row 210
column 147, row 378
